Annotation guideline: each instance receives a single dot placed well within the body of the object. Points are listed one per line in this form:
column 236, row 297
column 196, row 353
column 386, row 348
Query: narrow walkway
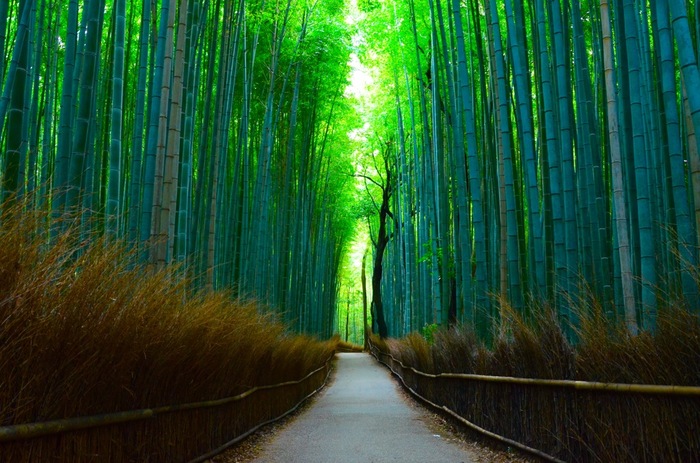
column 360, row 418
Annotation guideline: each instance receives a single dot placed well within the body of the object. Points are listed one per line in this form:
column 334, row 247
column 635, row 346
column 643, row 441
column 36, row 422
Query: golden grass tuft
column 671, row 355
column 573, row 425
column 85, row 331
column 344, row 346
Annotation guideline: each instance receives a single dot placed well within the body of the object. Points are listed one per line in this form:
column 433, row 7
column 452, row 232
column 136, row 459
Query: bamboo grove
column 542, row 153
column 199, row 131
column 525, row 154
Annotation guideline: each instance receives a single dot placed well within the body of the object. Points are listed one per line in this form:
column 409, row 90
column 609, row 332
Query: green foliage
column 368, row 6
column 427, row 258
column 428, row 332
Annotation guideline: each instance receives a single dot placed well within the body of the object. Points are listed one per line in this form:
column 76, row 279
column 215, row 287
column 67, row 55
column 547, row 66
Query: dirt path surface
column 361, row 418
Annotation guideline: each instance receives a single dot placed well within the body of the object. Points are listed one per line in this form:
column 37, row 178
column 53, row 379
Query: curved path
column 360, row 418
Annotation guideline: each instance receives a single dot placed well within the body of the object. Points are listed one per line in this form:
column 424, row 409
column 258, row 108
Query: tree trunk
column 363, row 279
column 382, row 241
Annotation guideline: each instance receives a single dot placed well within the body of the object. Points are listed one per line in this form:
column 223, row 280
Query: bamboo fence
column 561, row 420
column 190, row 432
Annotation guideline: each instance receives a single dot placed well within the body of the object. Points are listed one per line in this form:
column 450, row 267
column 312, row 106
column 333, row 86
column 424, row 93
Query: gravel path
column 361, row 418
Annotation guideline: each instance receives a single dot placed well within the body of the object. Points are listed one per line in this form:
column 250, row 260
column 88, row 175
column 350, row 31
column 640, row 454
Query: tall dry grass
column 539, row 349
column 572, row 425
column 85, row 331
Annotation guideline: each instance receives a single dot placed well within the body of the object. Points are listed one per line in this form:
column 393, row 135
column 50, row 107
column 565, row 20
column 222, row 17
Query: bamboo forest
column 494, row 152
column 200, row 197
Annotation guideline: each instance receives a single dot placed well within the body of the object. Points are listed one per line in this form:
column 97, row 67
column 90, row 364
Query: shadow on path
column 360, row 418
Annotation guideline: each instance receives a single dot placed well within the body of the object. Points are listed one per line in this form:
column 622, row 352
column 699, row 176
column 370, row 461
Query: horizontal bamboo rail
column 576, row 389
column 579, row 385
column 239, row 438
column 454, row 414
column 33, row 430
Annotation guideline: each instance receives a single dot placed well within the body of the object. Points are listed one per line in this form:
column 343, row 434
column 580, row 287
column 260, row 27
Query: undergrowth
column 569, row 423
column 539, row 349
column 84, row 331
column 344, row 346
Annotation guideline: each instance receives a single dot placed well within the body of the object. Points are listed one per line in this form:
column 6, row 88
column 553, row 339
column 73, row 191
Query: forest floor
column 365, row 416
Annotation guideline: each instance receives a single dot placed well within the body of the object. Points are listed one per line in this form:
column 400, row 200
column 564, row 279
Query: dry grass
column 574, row 426
column 85, row 331
column 344, row 346
column 669, row 356
column 539, row 349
